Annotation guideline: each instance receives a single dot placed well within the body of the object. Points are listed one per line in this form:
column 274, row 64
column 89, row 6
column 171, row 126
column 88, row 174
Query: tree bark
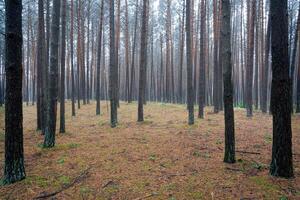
column 53, row 78
column 113, row 75
column 14, row 169
column 249, row 73
column 202, row 61
column 143, row 60
column 229, row 156
column 62, row 68
column 190, row 88
column 99, row 61
column 282, row 158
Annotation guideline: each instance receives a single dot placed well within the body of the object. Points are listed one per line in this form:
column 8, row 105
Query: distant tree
column 62, row 128
column 250, row 57
column 53, row 78
column 41, row 103
column 72, row 58
column 14, row 169
column 215, row 58
column 113, row 84
column 143, row 60
column 190, row 88
column 293, row 62
column 202, row 61
column 282, row 157
column 132, row 73
column 99, row 61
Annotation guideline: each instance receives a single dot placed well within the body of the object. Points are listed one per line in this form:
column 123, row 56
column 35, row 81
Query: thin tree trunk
column 62, row 68
column 143, row 60
column 190, row 89
column 202, row 61
column 113, row 84
column 53, row 86
column 72, row 58
column 99, row 61
column 249, row 73
column 229, row 156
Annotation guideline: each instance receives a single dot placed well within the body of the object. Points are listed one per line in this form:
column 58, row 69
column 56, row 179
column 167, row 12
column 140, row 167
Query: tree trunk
column 72, row 58
column 292, row 70
column 53, row 86
column 282, row 158
column 216, row 65
column 132, row 80
column 143, row 60
column 229, row 156
column 62, row 68
column 113, row 75
column 14, row 169
column 249, row 73
column 99, row 61
column 202, row 61
column 190, row 89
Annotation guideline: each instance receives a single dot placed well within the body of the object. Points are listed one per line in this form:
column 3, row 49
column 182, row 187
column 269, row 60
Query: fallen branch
column 146, row 196
column 110, row 182
column 234, row 169
column 248, row 152
column 79, row 178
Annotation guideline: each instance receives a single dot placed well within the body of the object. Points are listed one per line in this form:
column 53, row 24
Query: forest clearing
column 160, row 158
column 150, row 99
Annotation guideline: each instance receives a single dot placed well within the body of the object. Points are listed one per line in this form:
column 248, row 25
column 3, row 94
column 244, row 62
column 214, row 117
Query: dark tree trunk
column 190, row 88
column 132, row 80
column 229, row 156
column 143, row 61
column 282, row 158
column 41, row 103
column 182, row 35
column 249, row 72
column 127, row 51
column 215, row 62
column 292, row 69
column 99, row 61
column 62, row 68
column 72, row 58
column 53, row 78
column 264, row 100
column 113, row 75
column 298, row 85
column 202, row 61
column 14, row 169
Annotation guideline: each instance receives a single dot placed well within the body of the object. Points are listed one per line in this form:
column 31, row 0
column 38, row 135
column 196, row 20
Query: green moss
column 110, row 191
column 37, row 180
column 140, row 185
column 269, row 188
column 64, row 180
column 61, row 160
column 85, row 190
column 152, row 157
column 170, row 187
column 200, row 154
column 268, row 138
column 2, row 136
column 219, row 141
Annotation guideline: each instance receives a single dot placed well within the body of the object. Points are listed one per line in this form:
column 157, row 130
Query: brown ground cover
column 161, row 158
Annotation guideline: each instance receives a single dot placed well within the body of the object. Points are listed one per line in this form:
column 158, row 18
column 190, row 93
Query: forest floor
column 161, row 158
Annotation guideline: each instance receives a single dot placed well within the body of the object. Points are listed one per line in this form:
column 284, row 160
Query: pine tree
column 53, row 78
column 14, row 169
column 282, row 158
column 229, row 156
